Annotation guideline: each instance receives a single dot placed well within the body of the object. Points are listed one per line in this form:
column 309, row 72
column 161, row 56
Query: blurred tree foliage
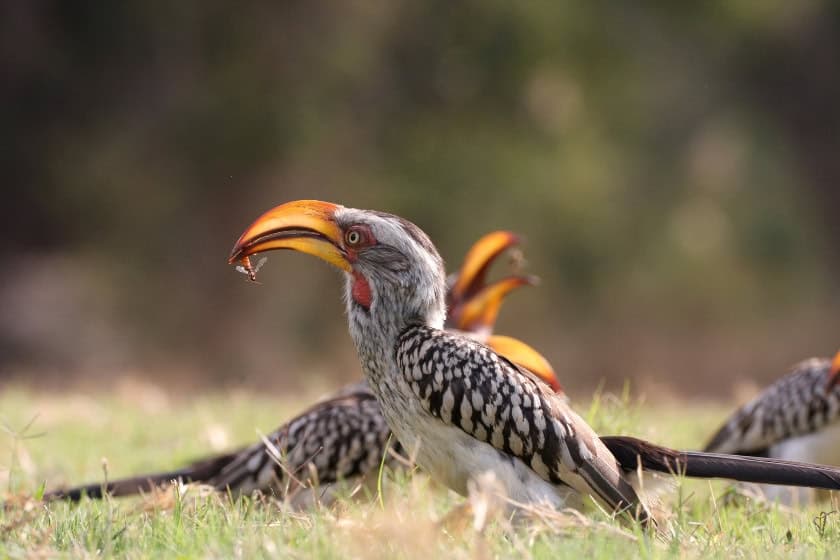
column 674, row 169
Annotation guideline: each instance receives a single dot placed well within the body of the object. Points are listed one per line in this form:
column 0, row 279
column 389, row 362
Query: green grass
column 139, row 428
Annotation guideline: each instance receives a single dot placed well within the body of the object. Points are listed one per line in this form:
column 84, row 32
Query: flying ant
column 249, row 269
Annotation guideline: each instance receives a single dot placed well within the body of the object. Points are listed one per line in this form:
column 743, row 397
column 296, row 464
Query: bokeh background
column 673, row 168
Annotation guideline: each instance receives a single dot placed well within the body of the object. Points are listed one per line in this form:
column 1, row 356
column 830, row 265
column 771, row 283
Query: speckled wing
column 797, row 404
column 465, row 384
column 337, row 439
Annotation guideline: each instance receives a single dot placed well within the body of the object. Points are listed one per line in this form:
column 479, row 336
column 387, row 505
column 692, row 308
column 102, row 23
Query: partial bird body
column 337, row 439
column 796, row 418
column 469, row 407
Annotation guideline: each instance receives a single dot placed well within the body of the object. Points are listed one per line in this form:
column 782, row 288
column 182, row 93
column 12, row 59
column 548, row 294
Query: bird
column 796, row 418
column 459, row 407
column 344, row 436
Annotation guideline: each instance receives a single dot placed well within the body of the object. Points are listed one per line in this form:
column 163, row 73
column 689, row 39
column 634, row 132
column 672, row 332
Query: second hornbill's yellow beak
column 307, row 226
column 481, row 255
column 474, row 306
column 524, row 355
column 480, row 311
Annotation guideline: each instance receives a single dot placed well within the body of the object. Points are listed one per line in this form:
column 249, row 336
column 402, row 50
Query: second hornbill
column 796, row 418
column 459, row 407
column 345, row 436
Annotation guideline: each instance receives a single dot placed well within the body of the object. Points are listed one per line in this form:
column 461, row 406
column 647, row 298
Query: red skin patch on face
column 361, row 290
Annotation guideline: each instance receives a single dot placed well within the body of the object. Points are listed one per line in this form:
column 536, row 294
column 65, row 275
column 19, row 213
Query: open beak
column 834, row 373
column 307, row 226
column 480, row 311
column 481, row 255
column 525, row 356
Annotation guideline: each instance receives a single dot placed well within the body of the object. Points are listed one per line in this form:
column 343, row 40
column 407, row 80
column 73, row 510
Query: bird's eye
column 358, row 237
column 353, row 237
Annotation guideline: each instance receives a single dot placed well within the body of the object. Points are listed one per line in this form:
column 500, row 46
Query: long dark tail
column 202, row 471
column 630, row 452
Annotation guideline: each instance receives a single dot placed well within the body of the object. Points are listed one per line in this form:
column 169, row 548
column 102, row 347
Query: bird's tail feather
column 202, row 471
column 632, row 452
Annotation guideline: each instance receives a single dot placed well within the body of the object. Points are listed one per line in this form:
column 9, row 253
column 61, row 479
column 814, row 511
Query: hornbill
column 795, row 418
column 461, row 408
column 345, row 435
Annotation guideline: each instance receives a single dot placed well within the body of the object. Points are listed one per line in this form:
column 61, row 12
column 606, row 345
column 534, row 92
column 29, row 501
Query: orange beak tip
column 834, row 372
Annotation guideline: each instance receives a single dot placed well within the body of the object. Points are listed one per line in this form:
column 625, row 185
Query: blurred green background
column 673, row 168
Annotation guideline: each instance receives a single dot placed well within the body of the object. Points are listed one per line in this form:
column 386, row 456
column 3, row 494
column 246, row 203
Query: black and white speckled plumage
column 798, row 404
column 340, row 438
column 466, row 385
column 797, row 418
column 337, row 439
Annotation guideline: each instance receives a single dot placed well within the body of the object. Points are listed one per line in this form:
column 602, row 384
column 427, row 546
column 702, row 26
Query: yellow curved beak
column 481, row 255
column 307, row 226
column 481, row 310
column 525, row 356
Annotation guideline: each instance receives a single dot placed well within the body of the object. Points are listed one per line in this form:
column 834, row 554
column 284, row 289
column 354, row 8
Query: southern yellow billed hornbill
column 345, row 436
column 796, row 418
column 459, row 406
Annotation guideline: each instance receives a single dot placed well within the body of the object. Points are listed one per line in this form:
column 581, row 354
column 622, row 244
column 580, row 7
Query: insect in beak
column 249, row 269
